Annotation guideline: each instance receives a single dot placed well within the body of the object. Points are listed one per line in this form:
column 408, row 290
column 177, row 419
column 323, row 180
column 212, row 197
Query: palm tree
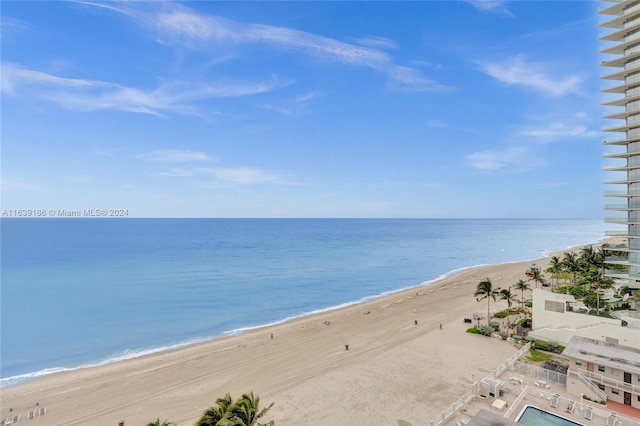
column 555, row 267
column 486, row 290
column 597, row 280
column 160, row 423
column 505, row 294
column 522, row 286
column 243, row 412
column 571, row 263
column 537, row 277
column 246, row 411
column 213, row 415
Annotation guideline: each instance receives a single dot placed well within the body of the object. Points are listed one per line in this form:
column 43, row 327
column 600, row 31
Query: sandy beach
column 396, row 372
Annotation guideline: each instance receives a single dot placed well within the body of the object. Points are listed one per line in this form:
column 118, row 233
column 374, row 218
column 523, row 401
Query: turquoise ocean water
column 81, row 292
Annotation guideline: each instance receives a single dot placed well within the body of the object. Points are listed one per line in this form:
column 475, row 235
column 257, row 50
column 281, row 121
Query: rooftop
column 621, row 357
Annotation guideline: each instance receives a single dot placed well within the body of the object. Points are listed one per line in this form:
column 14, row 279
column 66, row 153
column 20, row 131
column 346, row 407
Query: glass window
column 601, row 368
column 615, row 391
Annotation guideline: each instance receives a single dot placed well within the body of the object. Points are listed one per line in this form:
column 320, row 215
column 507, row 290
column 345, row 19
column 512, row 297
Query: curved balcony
column 623, row 194
column 621, row 142
column 621, row 61
column 623, row 168
column 616, row 233
column 622, row 221
column 622, row 101
column 627, row 181
column 624, row 128
column 623, row 114
column 620, row 21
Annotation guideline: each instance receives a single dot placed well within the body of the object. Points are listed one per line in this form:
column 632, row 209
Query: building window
column 580, row 363
column 601, row 386
column 615, row 372
column 550, row 305
column 601, row 368
column 615, row 391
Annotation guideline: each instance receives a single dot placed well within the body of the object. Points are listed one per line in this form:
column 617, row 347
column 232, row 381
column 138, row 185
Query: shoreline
column 133, row 354
column 398, row 357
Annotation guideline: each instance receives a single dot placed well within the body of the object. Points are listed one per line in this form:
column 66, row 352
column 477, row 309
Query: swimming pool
column 533, row 416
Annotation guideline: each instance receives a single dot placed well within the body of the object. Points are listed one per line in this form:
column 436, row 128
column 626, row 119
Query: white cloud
column 490, row 6
column 175, row 23
column 242, row 175
column 556, row 131
column 175, row 156
column 377, row 42
column 517, row 158
column 560, row 127
column 91, row 95
column 518, row 71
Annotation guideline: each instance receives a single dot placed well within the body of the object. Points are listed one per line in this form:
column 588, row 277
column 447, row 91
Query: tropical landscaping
column 245, row 411
column 579, row 273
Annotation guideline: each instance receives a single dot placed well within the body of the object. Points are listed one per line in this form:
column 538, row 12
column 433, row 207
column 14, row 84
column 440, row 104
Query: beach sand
column 396, row 372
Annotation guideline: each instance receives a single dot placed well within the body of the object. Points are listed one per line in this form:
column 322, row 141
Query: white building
column 603, row 371
column 558, row 317
column 624, row 57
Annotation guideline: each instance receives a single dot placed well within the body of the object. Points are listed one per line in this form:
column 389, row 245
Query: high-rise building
column 623, row 58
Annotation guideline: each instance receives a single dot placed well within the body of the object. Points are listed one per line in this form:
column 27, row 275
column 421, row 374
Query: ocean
column 81, row 292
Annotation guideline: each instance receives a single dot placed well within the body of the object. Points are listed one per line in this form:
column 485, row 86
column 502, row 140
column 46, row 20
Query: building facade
column 611, row 368
column 622, row 72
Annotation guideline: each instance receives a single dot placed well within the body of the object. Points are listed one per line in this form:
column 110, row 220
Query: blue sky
column 304, row 109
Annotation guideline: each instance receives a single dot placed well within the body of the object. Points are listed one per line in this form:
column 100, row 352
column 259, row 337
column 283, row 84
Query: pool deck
column 531, row 391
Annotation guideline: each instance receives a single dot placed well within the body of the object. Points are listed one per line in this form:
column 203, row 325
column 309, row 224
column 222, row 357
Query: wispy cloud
column 175, row 156
column 174, row 23
column 517, row 158
column 493, row 6
column 293, row 106
column 568, row 128
column 243, row 175
column 230, row 175
column 557, row 131
column 376, row 42
column 9, row 27
column 91, row 95
column 534, row 75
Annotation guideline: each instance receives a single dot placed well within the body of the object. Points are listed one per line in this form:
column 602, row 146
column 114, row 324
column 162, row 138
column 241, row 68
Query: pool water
column 533, row 416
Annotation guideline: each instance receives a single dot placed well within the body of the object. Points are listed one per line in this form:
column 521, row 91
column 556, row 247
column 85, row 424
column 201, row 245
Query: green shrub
column 501, row 314
column 473, row 330
column 486, row 330
column 504, row 334
column 495, row 325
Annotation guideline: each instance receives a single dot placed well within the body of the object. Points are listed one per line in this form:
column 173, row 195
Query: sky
column 420, row 109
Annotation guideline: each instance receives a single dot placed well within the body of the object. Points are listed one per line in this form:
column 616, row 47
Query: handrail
column 617, row 384
column 589, row 384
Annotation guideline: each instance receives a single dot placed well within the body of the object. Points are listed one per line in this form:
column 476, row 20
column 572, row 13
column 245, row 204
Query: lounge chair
column 43, row 411
column 570, row 406
column 555, row 400
column 588, row 412
column 16, row 419
column 612, row 420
